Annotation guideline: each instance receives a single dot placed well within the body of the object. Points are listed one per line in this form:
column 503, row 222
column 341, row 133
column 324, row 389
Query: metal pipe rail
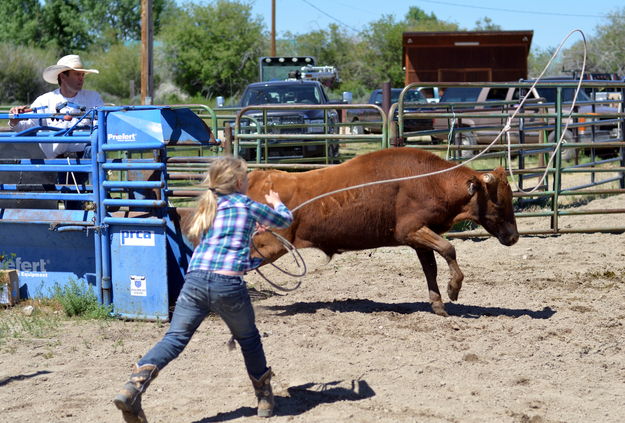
column 601, row 181
column 325, row 137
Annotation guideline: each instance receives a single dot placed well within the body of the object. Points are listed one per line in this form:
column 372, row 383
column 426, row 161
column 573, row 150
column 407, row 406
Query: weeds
column 79, row 300
column 76, row 299
column 14, row 325
column 73, row 300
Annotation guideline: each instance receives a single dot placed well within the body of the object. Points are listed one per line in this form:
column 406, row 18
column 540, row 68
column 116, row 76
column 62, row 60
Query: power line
column 330, row 16
column 530, row 12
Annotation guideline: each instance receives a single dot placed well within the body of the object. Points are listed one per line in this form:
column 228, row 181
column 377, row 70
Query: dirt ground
column 536, row 336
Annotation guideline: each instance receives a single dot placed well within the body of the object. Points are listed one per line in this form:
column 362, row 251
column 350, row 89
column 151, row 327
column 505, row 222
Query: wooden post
column 147, row 41
column 386, row 97
column 273, row 27
column 227, row 142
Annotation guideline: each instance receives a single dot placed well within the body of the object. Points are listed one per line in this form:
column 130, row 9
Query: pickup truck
column 372, row 121
column 294, row 92
column 541, row 100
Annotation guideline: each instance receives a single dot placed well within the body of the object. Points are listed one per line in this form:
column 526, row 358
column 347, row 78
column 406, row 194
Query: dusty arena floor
column 536, row 336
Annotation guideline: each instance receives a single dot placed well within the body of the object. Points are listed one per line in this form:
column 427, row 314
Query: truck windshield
column 412, row 96
column 300, row 94
column 459, row 94
column 549, row 94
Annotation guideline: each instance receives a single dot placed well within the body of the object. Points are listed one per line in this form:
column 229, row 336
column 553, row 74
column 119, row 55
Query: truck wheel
column 567, row 153
column 466, row 139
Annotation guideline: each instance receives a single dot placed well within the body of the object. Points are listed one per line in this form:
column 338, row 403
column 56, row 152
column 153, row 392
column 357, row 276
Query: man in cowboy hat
column 69, row 73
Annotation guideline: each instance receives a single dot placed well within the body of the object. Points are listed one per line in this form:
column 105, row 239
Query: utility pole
column 273, row 27
column 147, row 40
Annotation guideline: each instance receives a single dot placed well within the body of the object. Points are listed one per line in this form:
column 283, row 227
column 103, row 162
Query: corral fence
column 589, row 163
column 118, row 226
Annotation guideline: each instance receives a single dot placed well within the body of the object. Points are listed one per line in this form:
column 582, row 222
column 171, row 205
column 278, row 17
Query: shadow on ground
column 10, row 379
column 303, row 398
column 368, row 306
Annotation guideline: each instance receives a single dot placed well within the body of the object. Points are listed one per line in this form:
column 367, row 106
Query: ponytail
column 222, row 178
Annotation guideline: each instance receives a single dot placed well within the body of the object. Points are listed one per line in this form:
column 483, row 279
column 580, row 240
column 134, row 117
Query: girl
column 221, row 229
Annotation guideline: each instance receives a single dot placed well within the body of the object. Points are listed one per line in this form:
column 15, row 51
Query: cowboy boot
column 128, row 400
column 262, row 387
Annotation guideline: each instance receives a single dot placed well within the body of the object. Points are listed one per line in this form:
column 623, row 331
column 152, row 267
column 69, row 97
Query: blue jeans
column 225, row 295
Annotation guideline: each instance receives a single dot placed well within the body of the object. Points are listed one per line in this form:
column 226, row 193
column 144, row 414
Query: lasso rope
column 297, row 257
column 505, row 129
column 568, row 120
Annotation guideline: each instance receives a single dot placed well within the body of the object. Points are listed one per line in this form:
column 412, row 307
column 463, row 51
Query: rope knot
column 508, row 125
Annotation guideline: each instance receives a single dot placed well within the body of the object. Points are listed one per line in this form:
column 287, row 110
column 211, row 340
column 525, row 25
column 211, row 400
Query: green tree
column 115, row 21
column 330, row 47
column 416, row 15
column 609, row 44
column 384, row 38
column 417, row 20
column 20, row 73
column 19, row 21
column 76, row 25
column 572, row 59
column 63, row 26
column 213, row 48
column 538, row 59
column 605, row 51
column 486, row 24
column 118, row 66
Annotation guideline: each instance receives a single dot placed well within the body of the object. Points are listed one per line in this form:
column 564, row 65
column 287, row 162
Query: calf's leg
column 428, row 263
column 425, row 238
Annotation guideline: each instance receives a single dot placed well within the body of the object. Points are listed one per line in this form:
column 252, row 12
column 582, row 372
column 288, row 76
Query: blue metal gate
column 122, row 240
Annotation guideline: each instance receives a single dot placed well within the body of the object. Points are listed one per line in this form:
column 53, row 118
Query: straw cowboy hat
column 70, row 62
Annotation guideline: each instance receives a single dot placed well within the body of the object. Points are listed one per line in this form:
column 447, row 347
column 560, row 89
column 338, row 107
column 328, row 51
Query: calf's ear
column 473, row 185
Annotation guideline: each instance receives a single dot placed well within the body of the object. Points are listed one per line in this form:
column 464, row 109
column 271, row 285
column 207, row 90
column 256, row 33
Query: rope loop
column 297, row 258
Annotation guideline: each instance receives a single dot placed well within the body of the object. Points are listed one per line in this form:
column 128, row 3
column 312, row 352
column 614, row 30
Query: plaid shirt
column 226, row 245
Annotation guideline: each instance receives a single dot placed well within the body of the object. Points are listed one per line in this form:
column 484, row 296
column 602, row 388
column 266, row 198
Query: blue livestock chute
column 101, row 218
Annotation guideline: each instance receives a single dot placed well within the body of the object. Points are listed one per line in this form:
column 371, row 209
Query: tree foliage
column 384, row 38
column 67, row 26
column 330, row 46
column 63, row 27
column 19, row 21
column 538, row 59
column 486, row 24
column 214, row 48
column 20, row 73
column 118, row 66
column 116, row 21
column 609, row 44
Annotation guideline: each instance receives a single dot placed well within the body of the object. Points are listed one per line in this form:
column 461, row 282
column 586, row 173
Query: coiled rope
column 297, row 258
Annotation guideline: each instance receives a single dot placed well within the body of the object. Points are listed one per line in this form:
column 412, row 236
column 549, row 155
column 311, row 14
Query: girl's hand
column 273, row 198
column 261, row 228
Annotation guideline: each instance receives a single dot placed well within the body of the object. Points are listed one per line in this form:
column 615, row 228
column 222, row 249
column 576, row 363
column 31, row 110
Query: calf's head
column 494, row 205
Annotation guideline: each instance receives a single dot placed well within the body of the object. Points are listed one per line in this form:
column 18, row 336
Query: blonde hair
column 223, row 177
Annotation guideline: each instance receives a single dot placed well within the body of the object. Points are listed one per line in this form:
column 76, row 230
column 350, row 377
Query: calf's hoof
column 452, row 292
column 439, row 309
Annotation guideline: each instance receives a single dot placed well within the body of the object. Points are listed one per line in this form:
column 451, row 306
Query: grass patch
column 74, row 300
column 78, row 300
column 44, row 320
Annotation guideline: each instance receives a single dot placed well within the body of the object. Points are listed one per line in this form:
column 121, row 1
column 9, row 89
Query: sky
column 551, row 20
